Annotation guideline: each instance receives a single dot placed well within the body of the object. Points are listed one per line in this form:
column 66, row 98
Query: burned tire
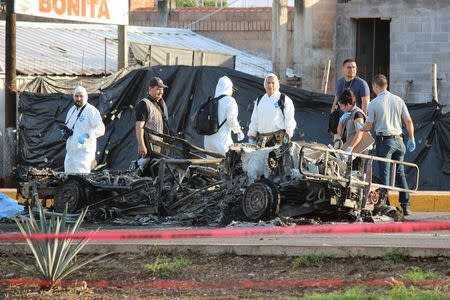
column 258, row 201
column 67, row 192
column 276, row 197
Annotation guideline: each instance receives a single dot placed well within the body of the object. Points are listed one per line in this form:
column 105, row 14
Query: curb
column 425, row 201
column 250, row 250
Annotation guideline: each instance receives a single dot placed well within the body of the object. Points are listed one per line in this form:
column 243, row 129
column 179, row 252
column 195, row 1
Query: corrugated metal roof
column 56, row 48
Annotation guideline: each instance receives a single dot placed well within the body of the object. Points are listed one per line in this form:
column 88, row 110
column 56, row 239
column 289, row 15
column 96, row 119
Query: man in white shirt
column 273, row 116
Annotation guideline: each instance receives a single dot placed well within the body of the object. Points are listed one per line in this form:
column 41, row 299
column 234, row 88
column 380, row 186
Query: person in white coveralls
column 227, row 109
column 273, row 115
column 87, row 125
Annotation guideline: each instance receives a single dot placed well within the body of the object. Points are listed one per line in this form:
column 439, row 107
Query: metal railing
column 348, row 178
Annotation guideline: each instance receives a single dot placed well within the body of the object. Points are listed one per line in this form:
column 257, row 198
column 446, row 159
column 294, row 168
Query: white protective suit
column 79, row 157
column 267, row 116
column 228, row 109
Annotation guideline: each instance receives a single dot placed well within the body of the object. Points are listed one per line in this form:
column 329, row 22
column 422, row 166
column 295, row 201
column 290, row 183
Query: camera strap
column 79, row 114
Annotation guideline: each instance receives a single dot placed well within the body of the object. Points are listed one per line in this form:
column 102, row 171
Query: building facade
column 401, row 39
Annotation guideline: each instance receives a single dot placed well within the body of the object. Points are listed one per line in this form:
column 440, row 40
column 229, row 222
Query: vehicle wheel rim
column 256, row 201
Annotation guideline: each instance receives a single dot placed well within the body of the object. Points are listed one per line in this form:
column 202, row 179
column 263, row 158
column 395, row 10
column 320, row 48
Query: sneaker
column 406, row 210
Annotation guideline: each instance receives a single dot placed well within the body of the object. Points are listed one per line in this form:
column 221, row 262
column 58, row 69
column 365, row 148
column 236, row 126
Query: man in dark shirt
column 151, row 112
column 359, row 86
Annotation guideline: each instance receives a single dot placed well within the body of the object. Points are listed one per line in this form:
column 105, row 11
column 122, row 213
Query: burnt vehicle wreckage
column 250, row 183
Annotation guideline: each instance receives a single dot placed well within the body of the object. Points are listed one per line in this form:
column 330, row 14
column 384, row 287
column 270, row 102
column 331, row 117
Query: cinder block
column 439, row 37
column 445, row 27
column 422, row 37
column 423, row 58
column 431, row 47
column 414, row 27
column 405, row 58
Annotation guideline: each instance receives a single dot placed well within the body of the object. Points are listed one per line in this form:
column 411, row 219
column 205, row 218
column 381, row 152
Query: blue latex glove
column 349, row 149
column 63, row 132
column 251, row 141
column 345, row 116
column 286, row 140
column 360, row 125
column 411, row 145
column 82, row 139
column 240, row 136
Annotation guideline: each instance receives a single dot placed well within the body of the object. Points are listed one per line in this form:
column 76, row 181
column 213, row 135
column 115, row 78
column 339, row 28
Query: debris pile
column 295, row 183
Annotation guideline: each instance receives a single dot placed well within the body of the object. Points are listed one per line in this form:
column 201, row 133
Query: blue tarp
column 8, row 206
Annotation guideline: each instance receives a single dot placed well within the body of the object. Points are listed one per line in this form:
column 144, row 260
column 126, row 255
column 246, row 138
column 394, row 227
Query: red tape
column 233, row 232
column 228, row 284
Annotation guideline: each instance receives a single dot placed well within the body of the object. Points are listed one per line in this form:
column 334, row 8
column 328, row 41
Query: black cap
column 156, row 81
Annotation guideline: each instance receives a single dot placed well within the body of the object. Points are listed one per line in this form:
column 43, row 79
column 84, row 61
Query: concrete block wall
column 324, row 20
column 248, row 29
column 419, row 37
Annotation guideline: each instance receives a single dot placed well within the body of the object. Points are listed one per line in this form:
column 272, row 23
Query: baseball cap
column 156, row 81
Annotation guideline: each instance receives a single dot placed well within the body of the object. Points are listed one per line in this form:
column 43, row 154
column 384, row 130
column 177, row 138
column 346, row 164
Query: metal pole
column 122, row 32
column 106, row 69
column 10, row 65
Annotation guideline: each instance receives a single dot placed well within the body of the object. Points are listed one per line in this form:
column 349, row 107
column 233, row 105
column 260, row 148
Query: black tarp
column 40, row 143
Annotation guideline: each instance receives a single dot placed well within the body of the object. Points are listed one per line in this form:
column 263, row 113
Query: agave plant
column 54, row 258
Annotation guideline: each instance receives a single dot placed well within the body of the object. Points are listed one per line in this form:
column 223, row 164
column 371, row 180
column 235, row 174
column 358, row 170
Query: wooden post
column 435, row 90
column 327, row 75
column 202, row 58
column 168, row 59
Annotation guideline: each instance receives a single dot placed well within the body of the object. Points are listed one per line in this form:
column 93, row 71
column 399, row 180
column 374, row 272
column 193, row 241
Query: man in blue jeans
column 385, row 114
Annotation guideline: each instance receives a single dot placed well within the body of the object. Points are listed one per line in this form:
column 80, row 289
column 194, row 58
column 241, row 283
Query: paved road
column 418, row 244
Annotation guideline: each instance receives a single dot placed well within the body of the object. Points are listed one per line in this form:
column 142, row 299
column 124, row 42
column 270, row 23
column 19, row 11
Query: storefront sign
column 91, row 11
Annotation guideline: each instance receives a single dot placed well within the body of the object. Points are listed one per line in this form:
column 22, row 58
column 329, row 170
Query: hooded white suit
column 267, row 117
column 79, row 157
column 228, row 109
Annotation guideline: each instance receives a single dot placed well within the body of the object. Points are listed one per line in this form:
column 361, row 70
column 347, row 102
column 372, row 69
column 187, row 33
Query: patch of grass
column 163, row 267
column 417, row 274
column 354, row 293
column 395, row 256
column 448, row 262
column 311, row 260
column 92, row 277
column 106, row 266
column 6, row 263
column 66, row 290
column 398, row 292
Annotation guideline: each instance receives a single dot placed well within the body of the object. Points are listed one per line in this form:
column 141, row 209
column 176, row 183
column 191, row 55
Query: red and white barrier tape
column 228, row 284
column 233, row 232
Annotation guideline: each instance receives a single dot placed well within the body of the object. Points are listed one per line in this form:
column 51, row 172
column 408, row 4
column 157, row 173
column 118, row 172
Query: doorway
column 372, row 48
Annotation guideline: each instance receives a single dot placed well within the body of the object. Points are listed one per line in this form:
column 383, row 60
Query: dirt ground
column 127, row 268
